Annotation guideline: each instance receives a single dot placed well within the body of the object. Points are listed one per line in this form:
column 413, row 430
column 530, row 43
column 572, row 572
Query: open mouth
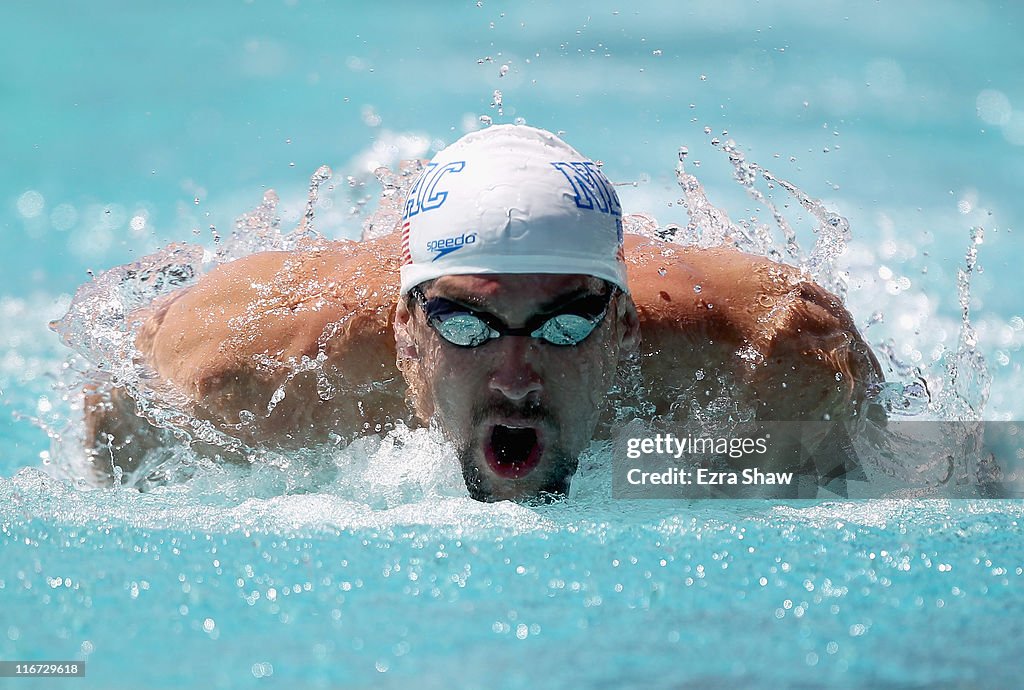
column 512, row 452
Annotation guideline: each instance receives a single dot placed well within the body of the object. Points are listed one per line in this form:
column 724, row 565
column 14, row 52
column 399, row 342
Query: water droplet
column 662, row 272
column 656, row 52
column 30, row 204
column 486, row 120
column 707, row 130
column 696, row 288
column 703, row 77
column 503, row 71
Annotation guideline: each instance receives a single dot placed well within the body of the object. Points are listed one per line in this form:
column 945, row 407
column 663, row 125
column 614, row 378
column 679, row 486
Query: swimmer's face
column 519, row 410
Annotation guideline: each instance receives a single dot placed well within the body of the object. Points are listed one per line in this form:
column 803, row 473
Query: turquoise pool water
column 129, row 127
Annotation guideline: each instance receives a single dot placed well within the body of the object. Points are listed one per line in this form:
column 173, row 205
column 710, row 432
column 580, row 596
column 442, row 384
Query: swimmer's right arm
column 236, row 341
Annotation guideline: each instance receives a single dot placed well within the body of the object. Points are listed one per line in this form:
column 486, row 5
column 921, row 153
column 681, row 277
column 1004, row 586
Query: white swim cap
column 511, row 199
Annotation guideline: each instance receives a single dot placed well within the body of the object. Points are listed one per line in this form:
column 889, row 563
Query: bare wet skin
column 289, row 349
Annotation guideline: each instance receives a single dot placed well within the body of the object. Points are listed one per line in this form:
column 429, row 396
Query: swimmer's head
column 515, row 310
column 511, row 199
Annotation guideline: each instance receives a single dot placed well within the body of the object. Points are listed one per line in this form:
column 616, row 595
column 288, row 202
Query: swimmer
column 500, row 312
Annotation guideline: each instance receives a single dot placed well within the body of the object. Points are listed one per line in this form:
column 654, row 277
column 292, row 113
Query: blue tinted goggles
column 465, row 327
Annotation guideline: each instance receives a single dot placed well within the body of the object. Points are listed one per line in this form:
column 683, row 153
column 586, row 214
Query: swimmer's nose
column 514, row 375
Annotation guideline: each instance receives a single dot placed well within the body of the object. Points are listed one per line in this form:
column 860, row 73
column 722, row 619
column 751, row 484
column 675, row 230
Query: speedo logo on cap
column 447, row 245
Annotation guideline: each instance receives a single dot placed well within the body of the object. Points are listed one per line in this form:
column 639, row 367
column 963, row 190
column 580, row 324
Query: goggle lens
column 466, row 328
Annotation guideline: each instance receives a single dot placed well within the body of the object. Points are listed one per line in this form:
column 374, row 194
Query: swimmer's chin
column 519, row 491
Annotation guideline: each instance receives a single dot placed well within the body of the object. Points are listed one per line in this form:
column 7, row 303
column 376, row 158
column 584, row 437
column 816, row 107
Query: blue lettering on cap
column 424, row 195
column 592, row 189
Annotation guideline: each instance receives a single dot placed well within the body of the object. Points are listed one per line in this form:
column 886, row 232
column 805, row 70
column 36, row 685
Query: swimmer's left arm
column 790, row 345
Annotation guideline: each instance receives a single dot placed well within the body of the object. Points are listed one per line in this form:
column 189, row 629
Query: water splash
column 966, row 369
column 103, row 318
column 322, row 174
column 394, row 189
column 103, row 322
column 711, row 226
column 955, row 393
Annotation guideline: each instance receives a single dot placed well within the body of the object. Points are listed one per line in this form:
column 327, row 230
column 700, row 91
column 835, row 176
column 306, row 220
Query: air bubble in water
column 486, row 120
column 503, row 71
